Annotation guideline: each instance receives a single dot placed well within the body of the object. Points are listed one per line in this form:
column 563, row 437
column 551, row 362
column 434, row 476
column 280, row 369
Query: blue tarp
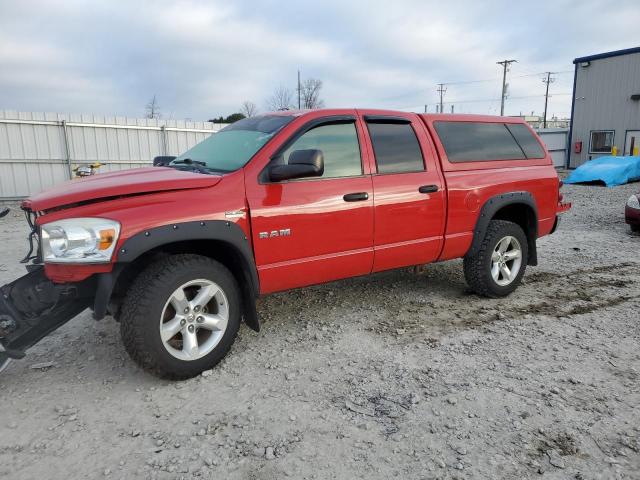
column 610, row 170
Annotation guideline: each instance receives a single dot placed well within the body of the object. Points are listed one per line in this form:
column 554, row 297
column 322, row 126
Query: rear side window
column 396, row 147
column 478, row 142
column 527, row 141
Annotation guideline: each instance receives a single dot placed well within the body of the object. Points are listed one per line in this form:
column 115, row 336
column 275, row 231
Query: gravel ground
column 400, row 374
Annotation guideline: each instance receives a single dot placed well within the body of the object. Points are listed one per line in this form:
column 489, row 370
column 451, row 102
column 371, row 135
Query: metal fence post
column 66, row 148
column 163, row 135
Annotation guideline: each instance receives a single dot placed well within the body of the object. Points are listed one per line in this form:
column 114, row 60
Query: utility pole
column 299, row 104
column 441, row 90
column 505, row 65
column 425, row 108
column 547, row 80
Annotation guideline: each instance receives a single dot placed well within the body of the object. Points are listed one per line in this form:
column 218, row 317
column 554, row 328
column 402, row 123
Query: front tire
column 496, row 269
column 181, row 316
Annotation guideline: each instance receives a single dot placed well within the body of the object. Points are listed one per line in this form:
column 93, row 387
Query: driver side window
column 339, row 145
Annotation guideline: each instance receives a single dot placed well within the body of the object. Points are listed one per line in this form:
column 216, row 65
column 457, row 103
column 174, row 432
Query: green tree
column 234, row 117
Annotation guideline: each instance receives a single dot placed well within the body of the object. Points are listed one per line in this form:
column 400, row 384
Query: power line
column 487, row 80
column 463, row 82
column 505, row 65
column 492, row 99
column 561, row 72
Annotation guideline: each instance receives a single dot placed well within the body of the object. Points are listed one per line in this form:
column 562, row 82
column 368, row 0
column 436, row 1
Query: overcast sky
column 204, row 58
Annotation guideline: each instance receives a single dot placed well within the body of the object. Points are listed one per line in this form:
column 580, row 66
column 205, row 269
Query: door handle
column 428, row 189
column 356, row 197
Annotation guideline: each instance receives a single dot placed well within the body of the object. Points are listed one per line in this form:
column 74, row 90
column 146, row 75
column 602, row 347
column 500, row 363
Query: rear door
column 409, row 197
column 314, row 230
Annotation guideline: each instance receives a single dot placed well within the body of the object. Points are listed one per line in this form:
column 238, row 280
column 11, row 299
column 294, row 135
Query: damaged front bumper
column 33, row 306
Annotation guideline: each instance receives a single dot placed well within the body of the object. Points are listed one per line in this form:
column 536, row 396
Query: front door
column 314, row 230
column 409, row 194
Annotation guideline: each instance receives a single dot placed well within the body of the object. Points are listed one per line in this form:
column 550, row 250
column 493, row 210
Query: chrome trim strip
column 235, row 214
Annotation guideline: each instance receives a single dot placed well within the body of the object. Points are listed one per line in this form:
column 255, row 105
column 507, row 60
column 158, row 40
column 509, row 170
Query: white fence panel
column 556, row 141
column 38, row 150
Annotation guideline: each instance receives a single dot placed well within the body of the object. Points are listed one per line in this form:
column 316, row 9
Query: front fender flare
column 219, row 230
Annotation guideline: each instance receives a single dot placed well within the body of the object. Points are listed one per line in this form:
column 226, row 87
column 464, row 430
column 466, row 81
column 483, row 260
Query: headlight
column 79, row 240
column 633, row 202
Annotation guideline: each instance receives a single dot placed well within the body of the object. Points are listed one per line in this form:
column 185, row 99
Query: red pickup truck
column 179, row 252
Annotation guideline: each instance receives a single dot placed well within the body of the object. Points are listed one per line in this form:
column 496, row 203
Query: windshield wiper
column 188, row 161
column 186, row 164
column 193, row 168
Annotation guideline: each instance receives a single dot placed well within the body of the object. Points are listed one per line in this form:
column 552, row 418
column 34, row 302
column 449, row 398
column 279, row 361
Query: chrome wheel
column 506, row 260
column 194, row 319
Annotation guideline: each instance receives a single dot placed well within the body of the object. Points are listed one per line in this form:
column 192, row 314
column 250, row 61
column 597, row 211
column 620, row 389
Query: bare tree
column 249, row 109
column 281, row 99
column 310, row 93
column 152, row 109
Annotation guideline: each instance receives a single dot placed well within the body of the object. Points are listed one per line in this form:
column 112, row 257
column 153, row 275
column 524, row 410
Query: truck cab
column 178, row 253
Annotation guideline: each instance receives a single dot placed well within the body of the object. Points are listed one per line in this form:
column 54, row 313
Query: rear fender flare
column 488, row 212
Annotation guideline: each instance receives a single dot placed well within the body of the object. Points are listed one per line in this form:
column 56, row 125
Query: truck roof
column 468, row 117
column 430, row 117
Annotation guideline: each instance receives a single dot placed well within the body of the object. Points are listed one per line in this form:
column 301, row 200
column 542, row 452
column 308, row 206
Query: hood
column 124, row 183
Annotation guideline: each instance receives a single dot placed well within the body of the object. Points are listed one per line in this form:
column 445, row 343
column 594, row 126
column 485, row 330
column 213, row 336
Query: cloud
column 203, row 58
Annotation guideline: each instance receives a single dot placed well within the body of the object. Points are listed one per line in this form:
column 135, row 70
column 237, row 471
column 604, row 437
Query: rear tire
column 496, row 269
column 635, row 228
column 181, row 316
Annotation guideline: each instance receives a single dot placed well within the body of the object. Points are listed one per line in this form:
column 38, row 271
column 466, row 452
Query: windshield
column 233, row 146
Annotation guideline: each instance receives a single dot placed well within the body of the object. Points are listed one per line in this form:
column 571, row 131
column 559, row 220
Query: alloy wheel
column 506, row 260
column 194, row 319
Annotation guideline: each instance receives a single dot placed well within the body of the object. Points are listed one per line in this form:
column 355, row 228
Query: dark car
column 632, row 212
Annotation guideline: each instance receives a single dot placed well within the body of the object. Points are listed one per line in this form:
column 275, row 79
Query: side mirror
column 302, row 164
column 162, row 161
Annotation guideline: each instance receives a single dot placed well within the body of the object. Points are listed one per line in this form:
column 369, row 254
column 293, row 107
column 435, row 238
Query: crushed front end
column 33, row 306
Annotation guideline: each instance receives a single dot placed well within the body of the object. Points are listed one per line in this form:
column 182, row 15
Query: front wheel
column 496, row 269
column 181, row 316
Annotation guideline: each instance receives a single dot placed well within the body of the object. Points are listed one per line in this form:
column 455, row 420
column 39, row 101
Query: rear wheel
column 497, row 267
column 181, row 316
